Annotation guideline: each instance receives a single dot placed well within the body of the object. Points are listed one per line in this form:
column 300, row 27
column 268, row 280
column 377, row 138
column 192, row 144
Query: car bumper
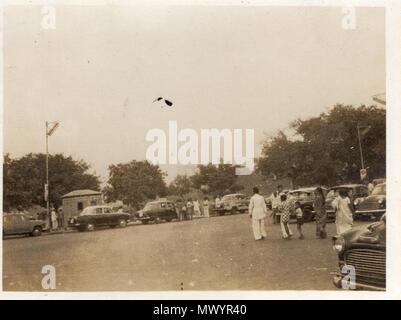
column 370, row 212
column 337, row 278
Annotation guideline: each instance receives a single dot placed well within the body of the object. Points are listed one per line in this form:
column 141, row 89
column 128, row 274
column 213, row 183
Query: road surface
column 215, row 253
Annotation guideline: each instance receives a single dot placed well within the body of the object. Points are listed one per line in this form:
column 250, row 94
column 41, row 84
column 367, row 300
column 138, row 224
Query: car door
column 98, row 216
column 109, row 217
column 21, row 224
column 8, row 224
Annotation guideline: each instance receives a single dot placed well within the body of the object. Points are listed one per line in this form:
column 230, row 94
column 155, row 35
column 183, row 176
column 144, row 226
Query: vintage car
column 362, row 257
column 15, row 223
column 93, row 217
column 232, row 203
column 157, row 210
column 358, row 191
column 306, row 197
column 373, row 206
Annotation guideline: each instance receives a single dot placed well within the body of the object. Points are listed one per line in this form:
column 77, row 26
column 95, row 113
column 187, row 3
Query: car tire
column 122, row 223
column 90, row 226
column 308, row 216
column 145, row 221
column 168, row 219
column 36, row 232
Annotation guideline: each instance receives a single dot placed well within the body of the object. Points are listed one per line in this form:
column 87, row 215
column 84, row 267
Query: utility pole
column 47, row 173
column 49, row 132
column 360, row 147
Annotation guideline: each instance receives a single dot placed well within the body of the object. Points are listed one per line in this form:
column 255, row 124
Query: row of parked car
column 366, row 206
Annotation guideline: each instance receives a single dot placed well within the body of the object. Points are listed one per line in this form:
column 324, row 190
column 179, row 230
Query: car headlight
column 380, row 201
column 141, row 214
column 338, row 244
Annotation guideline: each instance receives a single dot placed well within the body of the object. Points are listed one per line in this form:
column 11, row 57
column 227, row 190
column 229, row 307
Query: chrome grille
column 368, row 205
column 370, row 265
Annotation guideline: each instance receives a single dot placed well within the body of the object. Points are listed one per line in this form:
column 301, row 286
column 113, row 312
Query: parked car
column 373, row 206
column 358, row 191
column 157, row 210
column 306, row 197
column 362, row 249
column 15, row 223
column 93, row 217
column 232, row 203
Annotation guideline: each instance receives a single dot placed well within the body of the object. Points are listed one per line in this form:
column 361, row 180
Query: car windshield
column 152, row 205
column 379, row 190
column 333, row 192
column 302, row 195
column 88, row 210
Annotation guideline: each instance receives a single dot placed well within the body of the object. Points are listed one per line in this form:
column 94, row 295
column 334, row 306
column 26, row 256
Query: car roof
column 306, row 189
column 98, row 206
column 348, row 186
column 234, row 194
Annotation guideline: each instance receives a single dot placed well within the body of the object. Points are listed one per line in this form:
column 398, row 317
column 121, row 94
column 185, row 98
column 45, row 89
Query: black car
column 362, row 252
column 373, row 206
column 306, row 197
column 93, row 217
column 358, row 191
column 157, row 210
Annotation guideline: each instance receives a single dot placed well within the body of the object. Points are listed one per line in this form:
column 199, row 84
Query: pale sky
column 223, row 67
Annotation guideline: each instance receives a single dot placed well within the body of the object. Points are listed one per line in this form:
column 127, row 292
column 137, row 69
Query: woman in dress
column 343, row 209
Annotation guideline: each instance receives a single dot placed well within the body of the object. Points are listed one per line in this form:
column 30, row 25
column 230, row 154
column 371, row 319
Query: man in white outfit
column 257, row 212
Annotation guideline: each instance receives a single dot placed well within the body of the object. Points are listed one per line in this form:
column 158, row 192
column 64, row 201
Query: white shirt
column 257, row 207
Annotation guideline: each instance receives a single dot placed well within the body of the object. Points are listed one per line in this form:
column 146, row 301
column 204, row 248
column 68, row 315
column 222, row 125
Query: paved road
column 205, row 254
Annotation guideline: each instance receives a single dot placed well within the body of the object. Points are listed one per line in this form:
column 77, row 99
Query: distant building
column 75, row 201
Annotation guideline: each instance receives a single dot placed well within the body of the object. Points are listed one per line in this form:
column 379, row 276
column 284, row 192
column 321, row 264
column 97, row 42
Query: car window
column 107, row 210
column 380, row 189
column 98, row 211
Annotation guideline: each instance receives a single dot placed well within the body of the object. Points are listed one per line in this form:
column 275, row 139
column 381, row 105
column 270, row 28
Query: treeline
column 323, row 150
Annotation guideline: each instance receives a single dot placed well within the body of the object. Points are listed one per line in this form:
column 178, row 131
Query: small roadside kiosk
column 75, row 201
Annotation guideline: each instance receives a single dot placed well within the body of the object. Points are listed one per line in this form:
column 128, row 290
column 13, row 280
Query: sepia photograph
column 218, row 147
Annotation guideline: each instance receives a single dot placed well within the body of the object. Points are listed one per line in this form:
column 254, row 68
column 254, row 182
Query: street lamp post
column 49, row 132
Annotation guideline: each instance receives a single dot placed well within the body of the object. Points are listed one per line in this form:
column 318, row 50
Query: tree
column 325, row 149
column 135, row 182
column 181, row 185
column 218, row 179
column 24, row 179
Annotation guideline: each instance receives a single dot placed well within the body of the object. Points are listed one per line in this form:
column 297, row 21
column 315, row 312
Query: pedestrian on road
column 275, row 201
column 197, row 211
column 320, row 213
column 183, row 215
column 300, row 219
column 257, row 212
column 343, row 210
column 53, row 217
column 285, row 208
column 206, row 207
column 60, row 217
column 190, row 209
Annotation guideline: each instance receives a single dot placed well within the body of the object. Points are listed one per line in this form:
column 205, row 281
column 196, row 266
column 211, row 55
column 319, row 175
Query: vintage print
column 194, row 148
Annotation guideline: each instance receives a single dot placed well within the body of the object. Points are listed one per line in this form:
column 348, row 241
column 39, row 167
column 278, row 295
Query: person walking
column 275, row 200
column 320, row 213
column 257, row 212
column 190, row 209
column 343, row 210
column 197, row 210
column 183, row 215
column 206, row 207
column 285, row 208
column 300, row 219
column 53, row 217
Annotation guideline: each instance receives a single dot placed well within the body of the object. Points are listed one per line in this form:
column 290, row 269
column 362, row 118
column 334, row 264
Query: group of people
column 57, row 218
column 283, row 206
column 189, row 208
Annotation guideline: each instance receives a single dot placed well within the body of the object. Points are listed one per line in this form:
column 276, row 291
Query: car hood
column 374, row 233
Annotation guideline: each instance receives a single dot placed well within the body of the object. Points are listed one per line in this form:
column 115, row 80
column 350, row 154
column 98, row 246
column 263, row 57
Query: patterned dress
column 286, row 207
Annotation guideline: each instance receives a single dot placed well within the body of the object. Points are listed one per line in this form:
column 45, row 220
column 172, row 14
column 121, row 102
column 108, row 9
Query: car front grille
column 368, row 205
column 370, row 266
